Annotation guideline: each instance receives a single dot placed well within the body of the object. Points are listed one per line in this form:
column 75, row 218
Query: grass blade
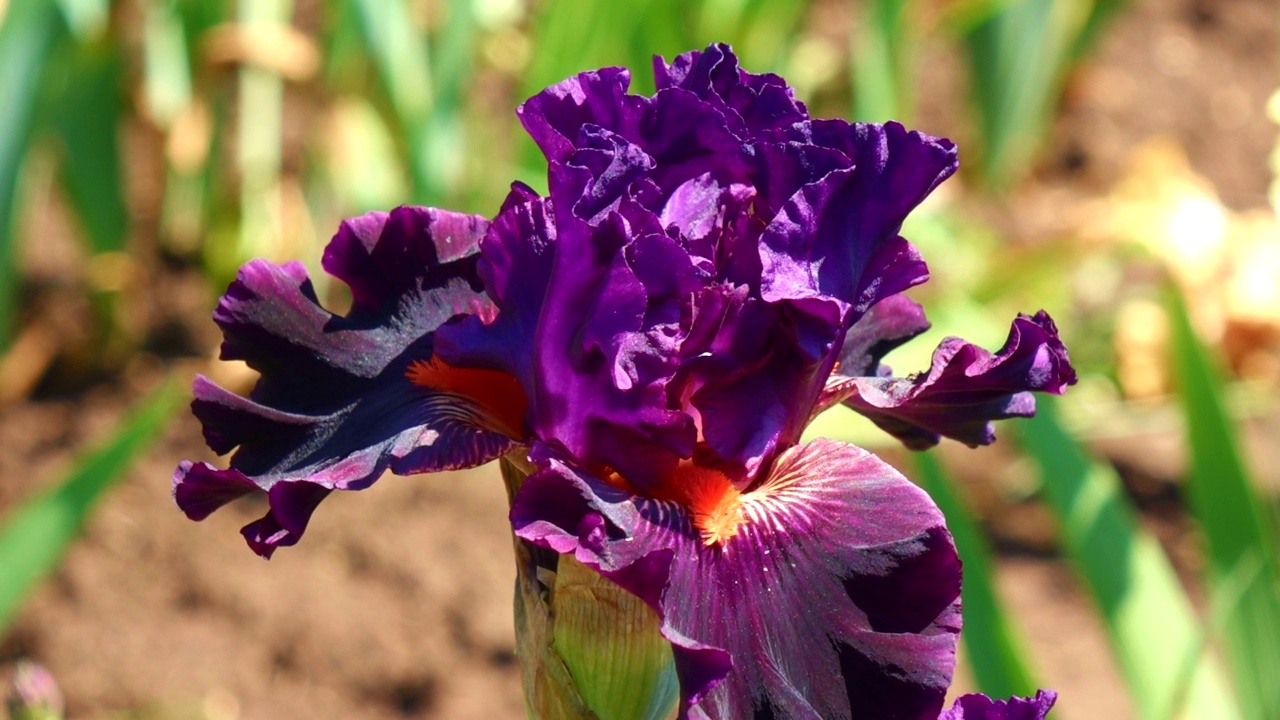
column 399, row 51
column 1151, row 623
column 991, row 644
column 34, row 537
column 29, row 32
column 1238, row 533
column 260, row 134
column 1018, row 59
column 881, row 57
column 86, row 117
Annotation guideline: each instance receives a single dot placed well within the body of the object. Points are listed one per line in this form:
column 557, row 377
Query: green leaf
column 34, row 537
column 399, row 51
column 991, row 644
column 260, row 136
column 29, row 33
column 1019, row 57
column 86, row 118
column 1153, row 629
column 881, row 55
column 1238, row 533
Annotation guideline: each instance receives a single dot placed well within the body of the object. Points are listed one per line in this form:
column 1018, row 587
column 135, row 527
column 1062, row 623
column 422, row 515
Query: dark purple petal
column 836, row 238
column 385, row 258
column 554, row 116
column 749, row 372
column 888, row 324
column 752, row 103
column 836, row 597
column 335, row 405
column 966, row 388
column 779, row 170
column 515, row 264
column 613, row 164
column 686, row 137
column 200, row 488
column 981, row 707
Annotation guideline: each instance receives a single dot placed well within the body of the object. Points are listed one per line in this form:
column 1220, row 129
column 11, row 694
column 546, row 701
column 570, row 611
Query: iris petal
column 966, row 388
column 837, row 598
column 833, row 248
column 333, row 407
column 981, row 707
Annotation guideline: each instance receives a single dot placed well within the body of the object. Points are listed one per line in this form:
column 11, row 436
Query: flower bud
column 589, row 650
column 33, row 694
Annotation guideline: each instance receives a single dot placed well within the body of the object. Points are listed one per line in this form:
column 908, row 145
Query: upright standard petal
column 833, row 586
column 516, row 257
column 340, row 399
column 834, row 249
column 753, row 104
column 965, row 389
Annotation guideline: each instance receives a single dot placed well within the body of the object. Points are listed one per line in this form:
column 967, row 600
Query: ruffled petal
column 554, row 116
column 981, row 707
column 833, row 248
column 753, row 104
column 750, row 371
column 966, row 388
column 888, row 324
column 515, row 264
column 341, row 399
column 837, row 596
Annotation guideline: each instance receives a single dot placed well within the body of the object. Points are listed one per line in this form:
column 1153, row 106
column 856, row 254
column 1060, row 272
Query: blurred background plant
column 149, row 147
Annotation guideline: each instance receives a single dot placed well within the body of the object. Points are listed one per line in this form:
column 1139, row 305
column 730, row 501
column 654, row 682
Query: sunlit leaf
column 1019, row 56
column 86, row 116
column 1153, row 629
column 29, row 32
column 881, row 55
column 1239, row 533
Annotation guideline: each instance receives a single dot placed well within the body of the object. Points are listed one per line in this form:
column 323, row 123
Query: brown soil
column 397, row 604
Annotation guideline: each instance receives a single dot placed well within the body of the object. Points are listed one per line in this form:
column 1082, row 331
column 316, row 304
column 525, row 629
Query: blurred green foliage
column 264, row 122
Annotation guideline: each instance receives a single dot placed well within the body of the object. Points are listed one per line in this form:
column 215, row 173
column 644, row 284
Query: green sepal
column 588, row 649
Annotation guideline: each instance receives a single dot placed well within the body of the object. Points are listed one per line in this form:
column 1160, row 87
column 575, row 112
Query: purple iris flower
column 341, row 399
column 709, row 269
column 712, row 268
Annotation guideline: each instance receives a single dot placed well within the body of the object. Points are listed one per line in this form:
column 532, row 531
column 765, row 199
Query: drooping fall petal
column 341, row 399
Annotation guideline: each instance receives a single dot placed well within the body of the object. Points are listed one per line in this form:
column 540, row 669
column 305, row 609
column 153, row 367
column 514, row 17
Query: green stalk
column 259, row 135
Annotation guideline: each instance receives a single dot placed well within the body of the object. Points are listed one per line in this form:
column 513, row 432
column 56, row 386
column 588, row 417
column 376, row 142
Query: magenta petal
column 981, row 707
column 837, row 598
column 200, row 488
column 292, row 504
column 966, row 388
